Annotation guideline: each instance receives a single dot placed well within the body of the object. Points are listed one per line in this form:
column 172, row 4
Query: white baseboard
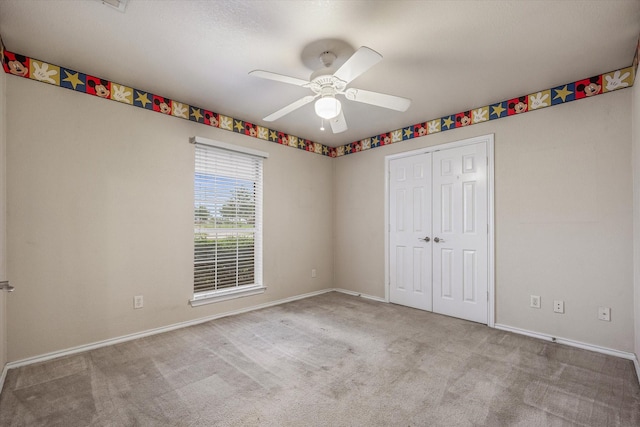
column 572, row 343
column 134, row 336
column 358, row 294
column 3, row 375
column 591, row 347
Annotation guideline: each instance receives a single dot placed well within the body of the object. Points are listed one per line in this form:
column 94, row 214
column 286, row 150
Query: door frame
column 3, row 227
column 489, row 141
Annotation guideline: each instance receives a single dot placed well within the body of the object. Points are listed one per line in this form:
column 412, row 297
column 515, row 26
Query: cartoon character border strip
column 580, row 89
column 23, row 66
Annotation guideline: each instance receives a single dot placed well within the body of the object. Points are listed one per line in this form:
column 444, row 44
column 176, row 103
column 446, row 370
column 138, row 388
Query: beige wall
column 100, row 209
column 635, row 131
column 563, row 206
column 99, row 199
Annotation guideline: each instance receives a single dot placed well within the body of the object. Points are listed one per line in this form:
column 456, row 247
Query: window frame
column 258, row 287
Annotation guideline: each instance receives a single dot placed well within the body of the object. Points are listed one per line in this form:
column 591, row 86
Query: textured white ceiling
column 447, row 56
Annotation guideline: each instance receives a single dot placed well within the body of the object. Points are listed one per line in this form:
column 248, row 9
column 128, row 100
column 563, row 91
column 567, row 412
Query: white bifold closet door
column 410, row 220
column 438, row 245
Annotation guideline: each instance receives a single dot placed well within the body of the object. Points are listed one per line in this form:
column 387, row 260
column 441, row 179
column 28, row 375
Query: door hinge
column 6, row 286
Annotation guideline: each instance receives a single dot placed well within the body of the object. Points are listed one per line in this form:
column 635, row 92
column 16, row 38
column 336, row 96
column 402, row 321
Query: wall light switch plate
column 604, row 313
column 558, row 306
column 535, row 301
column 138, row 301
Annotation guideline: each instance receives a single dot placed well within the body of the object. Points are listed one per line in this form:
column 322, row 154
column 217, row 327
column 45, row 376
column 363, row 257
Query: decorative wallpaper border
column 31, row 68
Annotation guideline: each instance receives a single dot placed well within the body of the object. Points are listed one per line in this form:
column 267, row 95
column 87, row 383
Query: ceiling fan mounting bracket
column 327, row 58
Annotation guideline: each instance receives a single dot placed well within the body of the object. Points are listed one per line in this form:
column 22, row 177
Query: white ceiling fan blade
column 289, row 108
column 363, row 59
column 380, row 99
column 338, row 123
column 278, row 77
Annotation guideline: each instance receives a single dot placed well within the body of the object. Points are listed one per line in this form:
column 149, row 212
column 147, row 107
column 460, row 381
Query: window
column 227, row 221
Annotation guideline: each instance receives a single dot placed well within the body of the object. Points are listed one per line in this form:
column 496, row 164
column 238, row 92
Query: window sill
column 217, row 296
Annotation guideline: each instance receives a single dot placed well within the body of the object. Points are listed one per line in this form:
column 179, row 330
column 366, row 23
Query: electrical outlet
column 535, row 301
column 558, row 306
column 604, row 313
column 314, row 273
column 138, row 302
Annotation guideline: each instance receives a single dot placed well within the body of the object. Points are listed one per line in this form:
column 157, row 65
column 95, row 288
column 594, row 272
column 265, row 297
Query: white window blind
column 227, row 221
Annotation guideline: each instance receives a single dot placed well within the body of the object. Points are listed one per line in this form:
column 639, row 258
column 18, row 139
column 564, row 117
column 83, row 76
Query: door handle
column 438, row 240
column 426, row 239
column 5, row 286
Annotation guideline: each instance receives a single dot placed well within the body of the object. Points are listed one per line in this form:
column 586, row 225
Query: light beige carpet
column 330, row 360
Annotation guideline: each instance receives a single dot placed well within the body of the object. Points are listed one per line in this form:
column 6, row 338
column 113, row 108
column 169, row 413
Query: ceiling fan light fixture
column 328, row 107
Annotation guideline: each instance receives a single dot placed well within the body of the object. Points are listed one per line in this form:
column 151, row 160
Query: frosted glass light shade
column 328, row 107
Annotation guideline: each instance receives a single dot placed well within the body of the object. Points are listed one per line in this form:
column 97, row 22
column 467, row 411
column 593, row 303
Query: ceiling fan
column 326, row 83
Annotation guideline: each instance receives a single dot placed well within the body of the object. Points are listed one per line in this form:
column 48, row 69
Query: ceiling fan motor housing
column 325, row 84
